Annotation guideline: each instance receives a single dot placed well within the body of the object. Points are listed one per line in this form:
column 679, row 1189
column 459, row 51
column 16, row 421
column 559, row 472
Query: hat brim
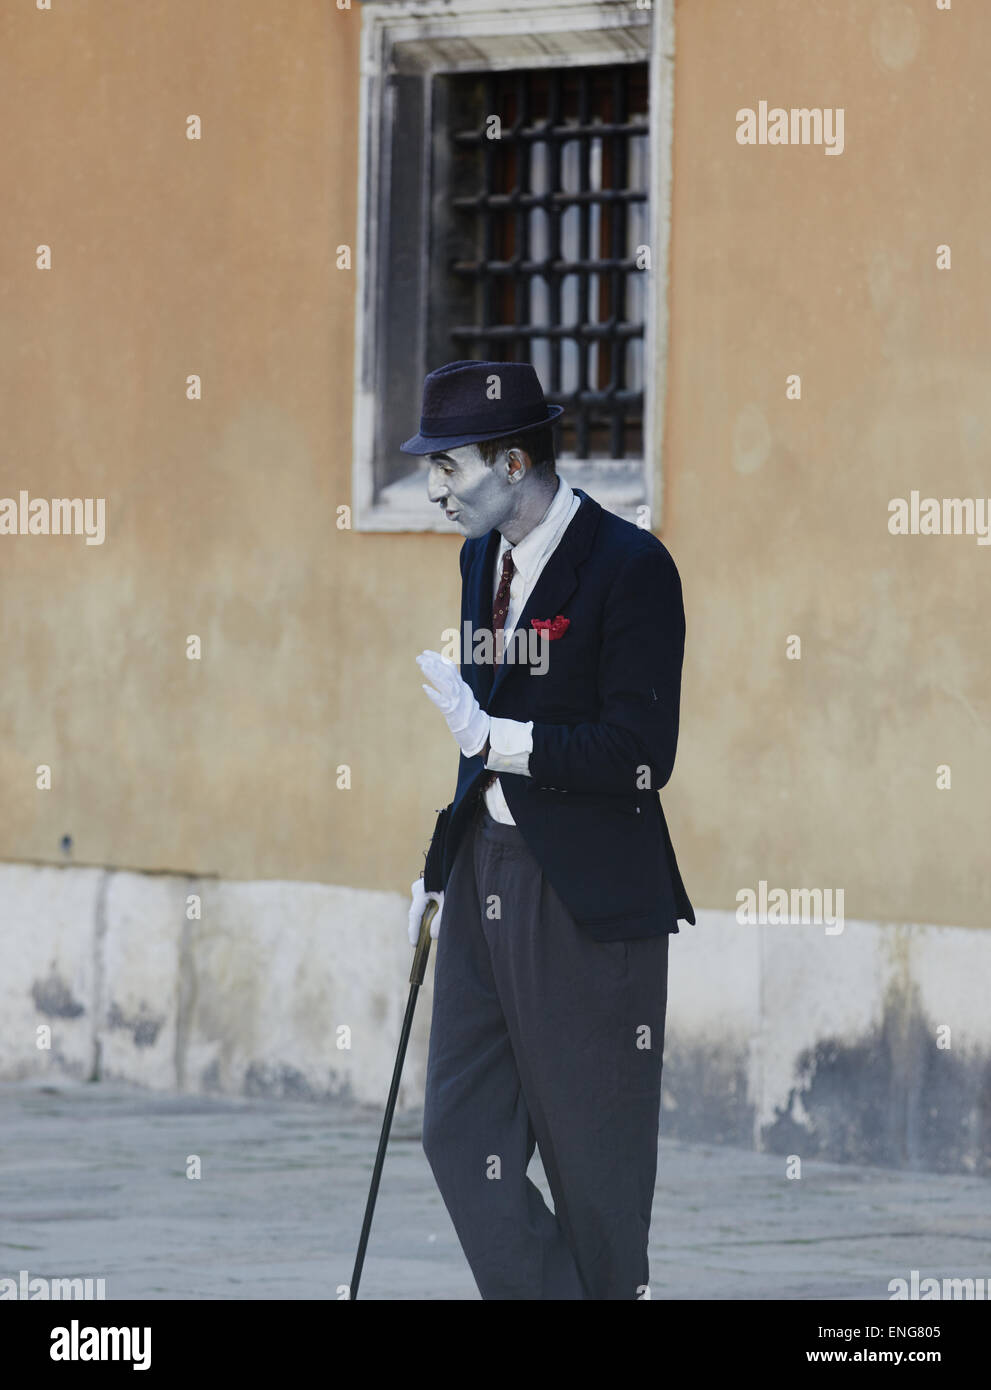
column 423, row 444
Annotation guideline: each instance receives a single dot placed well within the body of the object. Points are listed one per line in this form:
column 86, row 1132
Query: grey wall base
column 868, row 1046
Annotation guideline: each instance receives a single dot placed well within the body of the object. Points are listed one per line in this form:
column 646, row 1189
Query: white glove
column 420, row 900
column 466, row 720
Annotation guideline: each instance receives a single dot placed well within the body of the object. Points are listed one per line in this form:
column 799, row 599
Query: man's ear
column 518, row 461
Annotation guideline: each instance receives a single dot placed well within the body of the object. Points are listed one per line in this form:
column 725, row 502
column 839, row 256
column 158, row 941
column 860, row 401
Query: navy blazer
column 605, row 724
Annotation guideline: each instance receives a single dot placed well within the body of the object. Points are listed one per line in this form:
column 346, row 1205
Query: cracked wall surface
column 871, row 1047
column 280, row 989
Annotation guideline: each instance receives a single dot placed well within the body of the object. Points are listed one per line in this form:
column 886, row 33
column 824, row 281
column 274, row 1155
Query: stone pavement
column 93, row 1182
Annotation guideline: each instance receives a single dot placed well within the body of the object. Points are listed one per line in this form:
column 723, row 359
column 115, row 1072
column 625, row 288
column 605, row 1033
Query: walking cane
column 416, row 974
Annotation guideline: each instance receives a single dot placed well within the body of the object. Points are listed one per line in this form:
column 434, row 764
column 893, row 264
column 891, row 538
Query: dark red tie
column 501, row 606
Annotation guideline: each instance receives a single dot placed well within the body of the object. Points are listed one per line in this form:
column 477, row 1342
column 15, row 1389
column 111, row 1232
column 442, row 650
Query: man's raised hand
column 466, row 720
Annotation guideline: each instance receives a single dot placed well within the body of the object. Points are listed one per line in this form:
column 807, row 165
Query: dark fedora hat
column 467, row 402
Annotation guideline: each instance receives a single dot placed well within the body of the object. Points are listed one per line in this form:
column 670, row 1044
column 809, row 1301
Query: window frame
column 417, row 39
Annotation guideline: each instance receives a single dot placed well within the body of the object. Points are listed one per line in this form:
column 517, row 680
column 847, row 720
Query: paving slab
column 93, row 1182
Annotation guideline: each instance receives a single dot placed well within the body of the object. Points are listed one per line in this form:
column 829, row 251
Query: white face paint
column 475, row 497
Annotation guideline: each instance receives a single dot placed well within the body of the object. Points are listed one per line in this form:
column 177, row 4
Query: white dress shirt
column 511, row 740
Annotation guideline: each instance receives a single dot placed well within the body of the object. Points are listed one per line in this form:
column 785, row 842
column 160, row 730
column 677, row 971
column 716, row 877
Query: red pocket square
column 554, row 627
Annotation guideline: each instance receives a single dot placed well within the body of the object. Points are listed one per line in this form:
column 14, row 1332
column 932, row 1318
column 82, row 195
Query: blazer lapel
column 480, row 601
column 559, row 577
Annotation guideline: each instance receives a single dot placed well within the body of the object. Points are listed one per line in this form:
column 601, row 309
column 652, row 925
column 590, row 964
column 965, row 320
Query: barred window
column 540, row 205
column 515, row 169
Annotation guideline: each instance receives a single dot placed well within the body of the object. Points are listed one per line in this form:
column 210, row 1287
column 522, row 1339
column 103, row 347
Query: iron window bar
column 554, row 291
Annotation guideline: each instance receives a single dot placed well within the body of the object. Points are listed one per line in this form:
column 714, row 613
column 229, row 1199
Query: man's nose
column 436, row 487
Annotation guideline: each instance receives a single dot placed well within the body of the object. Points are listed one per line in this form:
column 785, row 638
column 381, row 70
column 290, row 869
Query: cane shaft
column 416, row 980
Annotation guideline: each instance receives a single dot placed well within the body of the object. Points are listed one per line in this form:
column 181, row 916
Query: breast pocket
column 565, row 666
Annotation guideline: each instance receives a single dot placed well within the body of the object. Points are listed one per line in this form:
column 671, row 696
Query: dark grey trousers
column 542, row 1035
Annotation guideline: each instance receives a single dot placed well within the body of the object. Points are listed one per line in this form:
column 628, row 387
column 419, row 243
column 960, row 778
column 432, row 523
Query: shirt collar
column 530, row 551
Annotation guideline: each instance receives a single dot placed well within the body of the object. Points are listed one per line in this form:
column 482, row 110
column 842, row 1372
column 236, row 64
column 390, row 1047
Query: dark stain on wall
column 893, row 1098
column 53, row 998
column 143, row 1026
column 287, row 1083
column 704, row 1094
column 210, row 1078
